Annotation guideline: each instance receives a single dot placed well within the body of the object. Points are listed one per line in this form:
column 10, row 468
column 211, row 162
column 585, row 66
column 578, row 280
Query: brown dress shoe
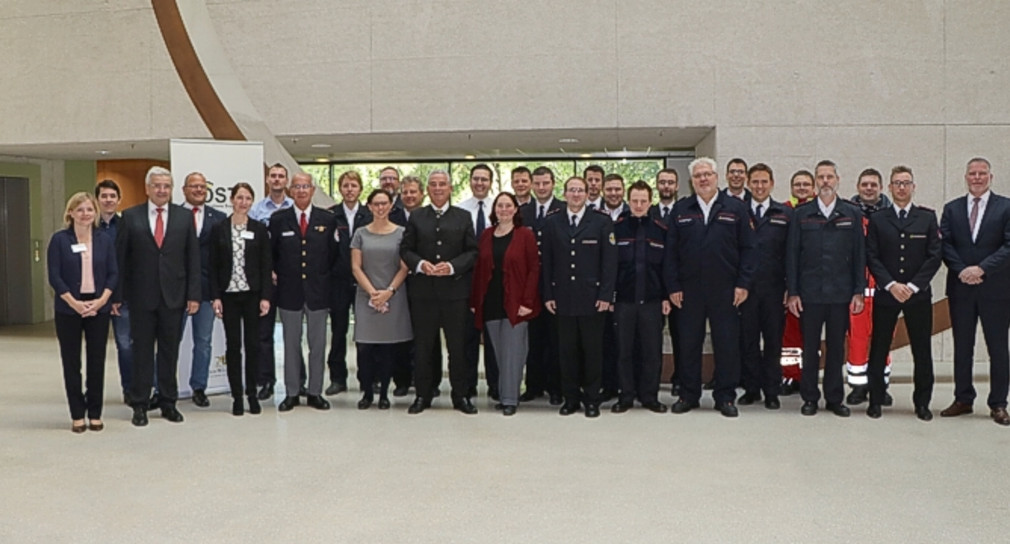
column 999, row 415
column 956, row 408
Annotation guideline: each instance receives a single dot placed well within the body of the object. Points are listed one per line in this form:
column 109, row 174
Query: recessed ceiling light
column 568, row 141
column 102, row 152
column 586, row 155
column 322, row 159
column 321, row 146
column 469, row 157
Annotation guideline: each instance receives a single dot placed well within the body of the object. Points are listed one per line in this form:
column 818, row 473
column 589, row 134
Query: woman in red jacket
column 504, row 295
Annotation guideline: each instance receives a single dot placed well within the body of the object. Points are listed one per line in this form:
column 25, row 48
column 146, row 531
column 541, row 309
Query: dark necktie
column 303, row 224
column 666, row 211
column 159, row 227
column 481, row 222
column 574, row 221
column 541, row 214
column 758, row 212
column 973, row 218
column 901, row 215
column 591, row 206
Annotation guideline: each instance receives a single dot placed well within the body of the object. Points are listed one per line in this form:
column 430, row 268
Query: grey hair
column 702, row 160
column 156, row 171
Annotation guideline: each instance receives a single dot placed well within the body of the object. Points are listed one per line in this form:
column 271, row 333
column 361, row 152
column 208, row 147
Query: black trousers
column 580, row 344
column 640, row 349
column 429, row 316
column 714, row 307
column 404, row 361
column 375, row 361
column 267, row 367
column 761, row 318
column 965, row 313
column 672, row 321
column 473, row 342
column 161, row 328
column 543, row 372
column 834, row 320
column 95, row 329
column 241, row 317
column 611, row 351
column 919, row 322
column 340, row 320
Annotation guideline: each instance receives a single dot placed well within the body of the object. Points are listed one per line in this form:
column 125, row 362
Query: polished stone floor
column 350, row 476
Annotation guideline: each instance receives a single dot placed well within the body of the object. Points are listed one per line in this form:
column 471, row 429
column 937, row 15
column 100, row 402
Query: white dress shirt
column 152, row 215
column 199, row 215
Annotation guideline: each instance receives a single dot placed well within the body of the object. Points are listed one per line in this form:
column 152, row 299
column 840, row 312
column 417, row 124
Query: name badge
column 288, row 233
column 726, row 218
column 843, row 224
column 656, row 245
column 247, row 235
column 79, row 248
column 775, row 221
column 624, row 243
column 916, row 236
column 589, row 241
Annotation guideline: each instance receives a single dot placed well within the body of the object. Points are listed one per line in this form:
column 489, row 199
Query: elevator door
column 15, row 253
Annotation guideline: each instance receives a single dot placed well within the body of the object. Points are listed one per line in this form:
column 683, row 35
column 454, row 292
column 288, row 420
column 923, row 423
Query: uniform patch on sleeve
column 612, row 238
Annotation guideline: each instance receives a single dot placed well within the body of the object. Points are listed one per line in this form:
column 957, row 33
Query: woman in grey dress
column 381, row 314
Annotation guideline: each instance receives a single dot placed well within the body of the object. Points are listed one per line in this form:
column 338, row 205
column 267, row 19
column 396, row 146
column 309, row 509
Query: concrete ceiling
column 531, row 144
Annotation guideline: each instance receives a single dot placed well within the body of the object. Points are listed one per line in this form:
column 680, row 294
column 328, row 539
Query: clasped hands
column 971, row 275
column 441, row 269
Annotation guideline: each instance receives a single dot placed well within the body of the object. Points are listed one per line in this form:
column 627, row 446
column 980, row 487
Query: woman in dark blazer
column 240, row 288
column 83, row 273
column 504, row 295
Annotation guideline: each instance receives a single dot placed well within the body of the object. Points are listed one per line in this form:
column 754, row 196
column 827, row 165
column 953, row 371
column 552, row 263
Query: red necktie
column 303, row 224
column 973, row 218
column 159, row 227
column 196, row 227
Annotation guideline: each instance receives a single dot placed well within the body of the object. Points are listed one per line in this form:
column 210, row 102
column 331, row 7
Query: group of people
column 569, row 296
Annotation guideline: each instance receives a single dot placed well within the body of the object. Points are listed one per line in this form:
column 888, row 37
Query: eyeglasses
column 301, row 187
column 902, row 184
column 738, row 172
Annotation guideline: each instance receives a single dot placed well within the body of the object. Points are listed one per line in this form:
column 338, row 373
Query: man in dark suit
column 666, row 186
column 349, row 215
column 159, row 265
column 194, row 188
column 439, row 249
column 579, row 263
column 411, row 197
column 826, row 276
column 976, row 247
column 542, row 371
column 305, row 252
column 709, row 268
column 761, row 315
column 903, row 251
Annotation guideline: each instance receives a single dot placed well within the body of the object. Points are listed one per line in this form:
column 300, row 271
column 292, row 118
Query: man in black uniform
column 709, row 268
column 736, row 180
column 349, row 215
column 903, row 251
column 580, row 267
column 439, row 249
column 761, row 316
column 640, row 303
column 542, row 370
column 667, row 186
column 825, row 274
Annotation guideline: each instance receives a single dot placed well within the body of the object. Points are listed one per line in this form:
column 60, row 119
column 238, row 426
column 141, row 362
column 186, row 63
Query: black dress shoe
column 302, row 392
column 139, row 416
column 621, row 407
column 254, row 405
column 727, row 409
column 365, row 403
column 1000, row 416
column 608, row 394
column 155, row 402
column 509, row 410
column 710, row 385
column 789, row 388
column 888, row 399
column 556, row 399
column 655, row 407
column 401, row 391
column 839, row 410
column 569, row 409
column 464, row 405
column 318, row 402
column 592, row 410
column 335, row 389
column 493, row 393
column 200, row 398
column 859, row 395
column 288, row 403
column 237, row 407
column 682, row 406
column 171, row 414
column 874, row 411
column 418, row 406
column 529, row 395
column 923, row 413
column 772, row 403
column 809, row 408
column 748, row 398
column 266, row 392
column 384, row 403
